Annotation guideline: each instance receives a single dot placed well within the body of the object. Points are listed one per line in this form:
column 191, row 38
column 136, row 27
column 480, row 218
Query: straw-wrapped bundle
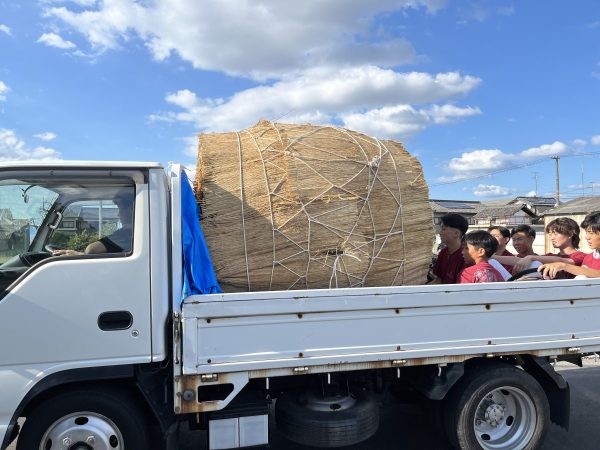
column 299, row 206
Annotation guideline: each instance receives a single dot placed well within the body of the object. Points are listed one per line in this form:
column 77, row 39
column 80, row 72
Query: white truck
column 98, row 350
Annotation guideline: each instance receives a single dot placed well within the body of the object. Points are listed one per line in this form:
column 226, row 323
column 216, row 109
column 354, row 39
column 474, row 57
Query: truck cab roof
column 64, row 164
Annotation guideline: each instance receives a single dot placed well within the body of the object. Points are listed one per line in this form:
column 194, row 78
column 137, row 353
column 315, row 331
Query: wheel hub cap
column 82, row 431
column 494, row 414
column 505, row 419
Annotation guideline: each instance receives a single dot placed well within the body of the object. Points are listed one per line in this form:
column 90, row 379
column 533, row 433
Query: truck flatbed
column 267, row 334
column 327, row 329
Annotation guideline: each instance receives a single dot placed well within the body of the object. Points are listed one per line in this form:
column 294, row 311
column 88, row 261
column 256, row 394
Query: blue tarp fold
column 198, row 271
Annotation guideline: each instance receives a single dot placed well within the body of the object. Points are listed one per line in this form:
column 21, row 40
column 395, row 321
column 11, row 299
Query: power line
column 511, row 168
column 574, row 155
column 485, row 175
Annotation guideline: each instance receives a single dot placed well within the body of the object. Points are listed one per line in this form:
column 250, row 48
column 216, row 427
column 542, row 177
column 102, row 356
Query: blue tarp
column 198, row 272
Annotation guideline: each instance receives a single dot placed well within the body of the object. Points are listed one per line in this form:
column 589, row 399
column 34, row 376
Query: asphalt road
column 406, row 425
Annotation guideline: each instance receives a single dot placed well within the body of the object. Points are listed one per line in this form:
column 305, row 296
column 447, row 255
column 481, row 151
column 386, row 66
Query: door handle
column 115, row 320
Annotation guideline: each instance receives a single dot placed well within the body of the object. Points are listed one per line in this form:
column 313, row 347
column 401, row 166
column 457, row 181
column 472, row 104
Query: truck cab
column 80, row 316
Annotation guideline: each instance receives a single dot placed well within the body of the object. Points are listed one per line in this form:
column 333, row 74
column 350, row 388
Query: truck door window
column 46, row 216
column 107, row 220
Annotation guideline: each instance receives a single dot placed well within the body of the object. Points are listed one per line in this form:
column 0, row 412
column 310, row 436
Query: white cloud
column 595, row 139
column 191, row 146
column 477, row 163
column 403, row 120
column 531, row 194
column 88, row 3
column 54, row 40
column 400, row 120
column 447, row 113
column 259, row 39
column 315, row 61
column 555, row 149
column 358, row 97
column 491, row 190
column 12, row 148
column 484, row 160
column 579, row 142
column 5, row 29
column 184, row 98
column 3, row 91
column 46, row 136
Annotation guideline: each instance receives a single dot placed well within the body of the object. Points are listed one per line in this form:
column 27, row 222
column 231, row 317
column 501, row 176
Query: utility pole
column 535, row 177
column 556, row 158
column 582, row 185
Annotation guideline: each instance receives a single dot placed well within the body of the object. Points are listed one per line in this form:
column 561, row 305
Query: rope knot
column 339, row 254
column 374, row 163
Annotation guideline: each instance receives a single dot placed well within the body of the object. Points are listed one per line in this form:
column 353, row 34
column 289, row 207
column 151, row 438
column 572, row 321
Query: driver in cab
column 116, row 242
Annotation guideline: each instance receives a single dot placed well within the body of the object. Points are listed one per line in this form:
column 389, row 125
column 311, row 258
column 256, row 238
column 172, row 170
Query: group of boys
column 471, row 257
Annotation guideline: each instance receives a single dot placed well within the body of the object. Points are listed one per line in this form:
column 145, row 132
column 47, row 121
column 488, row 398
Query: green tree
column 81, row 240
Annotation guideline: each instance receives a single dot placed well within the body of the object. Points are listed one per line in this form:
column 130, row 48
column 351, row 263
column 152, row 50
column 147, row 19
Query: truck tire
column 327, row 424
column 85, row 419
column 499, row 407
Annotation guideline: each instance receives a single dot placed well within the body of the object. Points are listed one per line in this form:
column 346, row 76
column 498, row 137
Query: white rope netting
column 300, row 206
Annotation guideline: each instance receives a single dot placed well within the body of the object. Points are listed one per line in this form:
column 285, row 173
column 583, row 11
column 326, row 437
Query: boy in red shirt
column 450, row 262
column 590, row 267
column 480, row 247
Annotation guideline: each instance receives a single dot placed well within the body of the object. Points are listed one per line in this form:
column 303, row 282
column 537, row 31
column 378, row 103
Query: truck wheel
column 85, row 420
column 497, row 408
column 309, row 419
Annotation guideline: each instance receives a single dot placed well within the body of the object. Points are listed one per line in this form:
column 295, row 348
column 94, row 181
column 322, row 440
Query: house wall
column 520, row 217
column 577, row 218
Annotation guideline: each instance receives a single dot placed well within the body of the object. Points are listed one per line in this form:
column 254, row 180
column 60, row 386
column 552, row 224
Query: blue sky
column 484, row 93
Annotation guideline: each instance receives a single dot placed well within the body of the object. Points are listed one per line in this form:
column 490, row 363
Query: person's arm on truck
column 507, row 260
column 550, row 270
column 524, row 263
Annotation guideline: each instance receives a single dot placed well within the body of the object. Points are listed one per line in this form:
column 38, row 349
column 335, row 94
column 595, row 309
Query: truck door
column 74, row 275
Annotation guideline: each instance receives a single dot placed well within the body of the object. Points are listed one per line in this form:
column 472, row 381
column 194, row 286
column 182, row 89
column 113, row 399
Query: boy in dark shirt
column 480, row 247
column 450, row 261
